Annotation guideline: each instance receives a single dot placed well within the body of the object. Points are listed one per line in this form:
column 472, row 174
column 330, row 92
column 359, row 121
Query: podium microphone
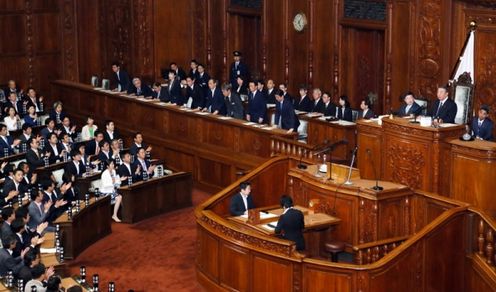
column 376, row 187
column 301, row 165
column 348, row 181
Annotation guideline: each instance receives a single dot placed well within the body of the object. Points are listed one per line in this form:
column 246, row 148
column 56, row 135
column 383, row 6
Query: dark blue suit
column 286, row 115
column 257, row 106
column 347, row 116
column 6, row 145
column 447, row 112
column 485, row 131
column 290, row 226
column 197, row 94
column 237, row 207
column 415, row 109
column 304, row 104
column 202, row 81
column 173, row 93
column 216, row 102
column 145, row 90
column 240, row 70
column 123, row 80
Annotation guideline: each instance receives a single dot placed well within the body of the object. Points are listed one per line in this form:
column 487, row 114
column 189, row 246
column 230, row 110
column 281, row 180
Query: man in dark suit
column 140, row 89
column 482, row 126
column 138, row 143
column 238, row 68
column 13, row 88
column 8, row 216
column 366, row 111
column 34, row 157
column 318, row 104
column 291, row 223
column 215, row 100
column 93, row 146
column 284, row 88
column 142, row 163
column 285, row 117
column 56, row 150
column 12, row 102
column 257, row 105
column 271, row 92
column 67, row 128
column 195, row 93
column 409, row 107
column 173, row 93
column 7, row 143
column 178, row 71
column 193, row 72
column 110, row 133
column 242, row 201
column 233, row 102
column 304, row 103
column 105, row 153
column 444, row 109
column 121, row 78
column 75, row 167
column 329, row 109
column 159, row 91
column 50, row 128
column 31, row 99
column 202, row 79
column 14, row 185
column 7, row 261
column 126, row 169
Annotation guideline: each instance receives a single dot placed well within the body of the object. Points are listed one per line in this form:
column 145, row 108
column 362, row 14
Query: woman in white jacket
column 110, row 181
column 88, row 131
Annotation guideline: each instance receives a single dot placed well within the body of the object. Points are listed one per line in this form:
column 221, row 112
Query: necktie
column 480, row 123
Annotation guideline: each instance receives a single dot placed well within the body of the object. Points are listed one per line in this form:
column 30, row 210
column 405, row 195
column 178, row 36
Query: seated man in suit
column 7, row 261
column 140, row 89
column 27, row 131
column 110, row 133
column 291, row 223
column 178, row 71
column 75, row 167
column 303, row 103
column 173, row 92
column 409, row 107
column 56, row 150
column 31, row 99
column 126, row 169
column 138, row 143
column 115, row 152
column 329, row 109
column 8, row 216
column 93, row 146
column 14, row 186
column 366, row 109
column 444, row 109
column 242, row 201
column 121, row 78
column 234, row 105
column 7, row 143
column 50, row 128
column 158, row 91
column 24, row 239
column 482, row 126
column 214, row 99
column 318, row 104
column 105, row 153
column 285, row 117
column 12, row 103
column 195, row 98
column 30, row 178
column 35, row 157
column 55, row 198
column 67, row 128
column 144, row 164
column 257, row 105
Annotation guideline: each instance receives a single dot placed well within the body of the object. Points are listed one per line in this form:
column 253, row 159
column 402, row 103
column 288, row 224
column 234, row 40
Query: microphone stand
column 376, row 187
column 348, row 181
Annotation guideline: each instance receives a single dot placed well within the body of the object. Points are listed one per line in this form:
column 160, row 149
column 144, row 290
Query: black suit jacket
column 160, row 95
column 485, row 131
column 318, row 107
column 136, row 163
column 271, row 96
column 237, row 207
column 234, row 106
column 173, row 93
column 107, row 138
column 90, row 148
column 241, row 70
column 286, row 115
column 216, row 102
column 71, row 169
column 329, row 110
column 447, row 112
column 197, row 94
column 34, row 161
column 290, row 226
column 415, row 109
column 257, row 107
column 53, row 158
column 347, row 116
column 6, row 145
column 123, row 80
column 123, row 171
column 368, row 115
column 103, row 157
column 145, row 90
column 10, row 186
column 305, row 104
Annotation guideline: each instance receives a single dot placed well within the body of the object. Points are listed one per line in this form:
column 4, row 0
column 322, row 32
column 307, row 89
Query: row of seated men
column 198, row 90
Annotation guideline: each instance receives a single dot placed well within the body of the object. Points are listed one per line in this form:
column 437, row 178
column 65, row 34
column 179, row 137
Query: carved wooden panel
column 237, row 259
column 316, row 279
column 143, row 36
column 264, row 270
column 408, row 161
column 69, row 41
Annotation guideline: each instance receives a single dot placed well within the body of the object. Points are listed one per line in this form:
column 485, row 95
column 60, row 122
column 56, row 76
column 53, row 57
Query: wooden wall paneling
column 199, row 30
column 322, row 40
column 70, row 44
column 298, row 46
column 274, row 40
column 217, row 39
column 89, row 41
column 144, row 40
column 207, row 259
column 393, row 217
column 478, row 277
column 264, row 271
column 317, row 278
column 234, row 267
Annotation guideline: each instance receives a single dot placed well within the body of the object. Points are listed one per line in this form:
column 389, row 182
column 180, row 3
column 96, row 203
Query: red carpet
column 154, row 255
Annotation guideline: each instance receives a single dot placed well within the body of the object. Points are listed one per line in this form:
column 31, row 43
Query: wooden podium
column 407, row 153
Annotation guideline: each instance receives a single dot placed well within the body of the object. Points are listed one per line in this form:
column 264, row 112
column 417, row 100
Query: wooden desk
column 473, row 173
column 320, row 130
column 86, row 227
column 155, row 196
column 409, row 154
column 70, row 282
column 50, row 259
column 188, row 141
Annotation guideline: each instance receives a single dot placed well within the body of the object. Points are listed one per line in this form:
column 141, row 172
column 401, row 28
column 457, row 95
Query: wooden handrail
column 485, row 237
column 372, row 251
column 291, row 148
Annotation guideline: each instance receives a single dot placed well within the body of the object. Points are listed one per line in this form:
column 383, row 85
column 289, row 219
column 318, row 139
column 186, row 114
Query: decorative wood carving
column 118, row 24
column 143, row 37
column 29, row 42
column 69, row 38
column 407, row 162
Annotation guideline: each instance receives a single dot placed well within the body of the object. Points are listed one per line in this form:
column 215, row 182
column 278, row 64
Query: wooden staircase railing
column 292, row 148
column 370, row 252
column 485, row 237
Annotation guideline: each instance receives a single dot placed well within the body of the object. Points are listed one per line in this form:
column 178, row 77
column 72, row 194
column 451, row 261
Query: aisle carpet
column 157, row 254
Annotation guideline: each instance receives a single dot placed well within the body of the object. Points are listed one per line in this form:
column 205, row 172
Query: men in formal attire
column 159, row 91
column 318, row 104
column 7, row 261
column 193, row 72
column 34, row 157
column 366, row 111
column 50, row 128
column 14, row 185
column 238, row 68
column 121, row 78
column 55, row 198
column 304, row 103
column 242, row 201
column 105, row 153
column 173, row 93
column 126, row 169
column 143, row 164
column 27, row 130
column 110, row 132
column 65, row 127
column 482, row 126
column 138, row 143
column 284, row 88
column 261, row 88
column 409, row 107
column 234, row 104
column 291, row 223
column 196, row 99
column 8, row 215
column 29, row 179
column 444, row 109
column 33, row 100
column 329, row 109
column 202, row 79
column 215, row 100
column 257, row 105
column 14, row 103
column 38, row 211
column 93, row 146
column 285, row 117
column 12, row 88
column 270, row 95
column 140, row 89
column 178, row 72
column 7, row 143
column 54, row 148
column 75, row 167
column 115, row 152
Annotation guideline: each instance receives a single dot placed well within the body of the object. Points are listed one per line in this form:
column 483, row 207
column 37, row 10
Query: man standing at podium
column 291, row 223
column 242, row 201
column 444, row 109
